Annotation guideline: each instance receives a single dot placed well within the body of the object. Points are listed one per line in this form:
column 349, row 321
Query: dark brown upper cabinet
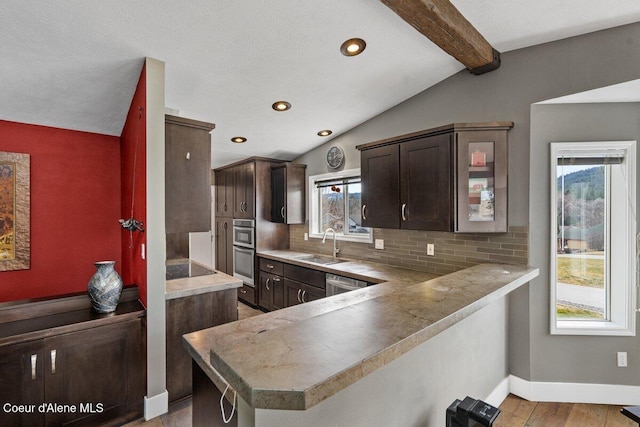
column 244, row 191
column 380, row 175
column 451, row 178
column 482, row 181
column 425, row 183
column 224, row 193
column 288, row 193
column 187, row 175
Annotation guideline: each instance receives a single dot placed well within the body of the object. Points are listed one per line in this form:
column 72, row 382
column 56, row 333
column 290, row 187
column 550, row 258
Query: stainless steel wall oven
column 244, row 252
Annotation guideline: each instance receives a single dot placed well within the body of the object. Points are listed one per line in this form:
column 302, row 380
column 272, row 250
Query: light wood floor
column 517, row 412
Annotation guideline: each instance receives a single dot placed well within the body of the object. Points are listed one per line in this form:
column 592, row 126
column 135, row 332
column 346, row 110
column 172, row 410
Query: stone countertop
column 189, row 286
column 361, row 270
column 296, row 357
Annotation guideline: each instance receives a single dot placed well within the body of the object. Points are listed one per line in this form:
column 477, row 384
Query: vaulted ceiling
column 74, row 63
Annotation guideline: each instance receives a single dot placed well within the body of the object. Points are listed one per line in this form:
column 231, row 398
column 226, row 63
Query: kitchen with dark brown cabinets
column 249, row 186
column 441, row 223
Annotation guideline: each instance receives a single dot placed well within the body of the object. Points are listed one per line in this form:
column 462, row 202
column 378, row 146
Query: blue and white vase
column 105, row 287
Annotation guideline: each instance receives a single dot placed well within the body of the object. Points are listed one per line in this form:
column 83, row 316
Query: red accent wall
column 75, row 207
column 134, row 134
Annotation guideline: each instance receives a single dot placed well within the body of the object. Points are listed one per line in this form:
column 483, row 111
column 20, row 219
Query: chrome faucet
column 324, row 238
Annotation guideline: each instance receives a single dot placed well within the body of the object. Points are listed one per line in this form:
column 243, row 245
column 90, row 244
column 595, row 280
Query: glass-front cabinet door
column 481, row 181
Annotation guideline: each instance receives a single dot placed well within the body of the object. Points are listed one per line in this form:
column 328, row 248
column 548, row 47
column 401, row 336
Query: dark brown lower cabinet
column 298, row 292
column 248, row 294
column 189, row 314
column 21, row 383
column 96, row 373
column 271, row 291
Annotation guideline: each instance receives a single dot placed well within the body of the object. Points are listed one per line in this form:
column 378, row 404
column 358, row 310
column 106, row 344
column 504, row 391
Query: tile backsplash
column 408, row 248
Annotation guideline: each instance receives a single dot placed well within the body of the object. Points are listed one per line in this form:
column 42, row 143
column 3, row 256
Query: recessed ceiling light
column 281, row 106
column 238, row 139
column 353, row 47
column 325, row 132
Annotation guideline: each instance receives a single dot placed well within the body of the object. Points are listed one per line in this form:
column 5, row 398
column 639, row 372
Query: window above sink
column 335, row 202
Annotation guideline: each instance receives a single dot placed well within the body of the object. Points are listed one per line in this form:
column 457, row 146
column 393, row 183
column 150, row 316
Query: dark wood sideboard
column 68, row 365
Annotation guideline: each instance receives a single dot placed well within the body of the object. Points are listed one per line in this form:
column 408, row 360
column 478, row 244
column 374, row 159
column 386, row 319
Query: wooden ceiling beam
column 443, row 24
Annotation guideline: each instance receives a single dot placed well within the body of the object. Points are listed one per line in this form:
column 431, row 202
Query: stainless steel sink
column 319, row 259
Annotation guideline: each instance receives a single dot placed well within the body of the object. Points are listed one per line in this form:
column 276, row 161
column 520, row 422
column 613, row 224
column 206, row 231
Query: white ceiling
column 74, row 64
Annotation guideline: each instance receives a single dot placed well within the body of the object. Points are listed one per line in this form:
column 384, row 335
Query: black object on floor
column 632, row 412
column 471, row 413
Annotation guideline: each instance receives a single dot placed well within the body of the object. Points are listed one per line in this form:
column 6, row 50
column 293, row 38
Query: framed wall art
column 15, row 205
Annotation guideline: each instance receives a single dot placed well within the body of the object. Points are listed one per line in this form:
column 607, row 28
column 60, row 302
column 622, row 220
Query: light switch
column 379, row 244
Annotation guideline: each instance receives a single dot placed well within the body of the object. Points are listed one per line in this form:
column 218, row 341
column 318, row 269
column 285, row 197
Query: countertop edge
column 481, row 278
column 190, row 286
column 303, row 400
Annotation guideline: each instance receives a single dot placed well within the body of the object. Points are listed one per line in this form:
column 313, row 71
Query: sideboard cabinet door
column 100, row 368
column 22, row 382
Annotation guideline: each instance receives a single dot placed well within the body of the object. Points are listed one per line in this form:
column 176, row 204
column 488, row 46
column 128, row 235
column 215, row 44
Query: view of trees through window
column 581, row 242
column 340, row 208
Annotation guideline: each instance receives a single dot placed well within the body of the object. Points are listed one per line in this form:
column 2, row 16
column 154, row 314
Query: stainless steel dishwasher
column 338, row 284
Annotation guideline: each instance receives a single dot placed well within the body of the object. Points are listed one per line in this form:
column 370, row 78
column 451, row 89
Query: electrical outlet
column 379, row 244
column 622, row 359
column 431, row 250
column 306, row 236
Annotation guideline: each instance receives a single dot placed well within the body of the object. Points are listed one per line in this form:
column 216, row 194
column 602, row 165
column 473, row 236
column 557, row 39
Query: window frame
column 314, row 207
column 620, row 315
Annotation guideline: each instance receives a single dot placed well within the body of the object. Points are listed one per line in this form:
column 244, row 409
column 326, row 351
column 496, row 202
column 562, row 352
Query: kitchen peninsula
column 196, row 298
column 397, row 353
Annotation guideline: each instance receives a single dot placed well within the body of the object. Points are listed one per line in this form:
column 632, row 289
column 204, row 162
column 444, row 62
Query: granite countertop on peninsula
column 189, row 286
column 294, row 358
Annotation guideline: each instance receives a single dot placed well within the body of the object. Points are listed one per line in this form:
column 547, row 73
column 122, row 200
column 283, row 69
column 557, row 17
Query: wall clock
column 335, row 157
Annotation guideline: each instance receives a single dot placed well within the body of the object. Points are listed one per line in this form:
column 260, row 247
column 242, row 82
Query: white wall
column 156, row 400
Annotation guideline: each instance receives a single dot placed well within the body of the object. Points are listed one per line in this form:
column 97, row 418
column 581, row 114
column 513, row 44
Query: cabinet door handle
column 224, row 225
column 275, row 279
column 299, row 300
column 266, row 284
column 364, row 210
column 282, row 211
column 303, row 294
column 269, row 266
column 34, row 360
column 243, row 291
column 404, row 209
column 224, row 206
column 53, row 362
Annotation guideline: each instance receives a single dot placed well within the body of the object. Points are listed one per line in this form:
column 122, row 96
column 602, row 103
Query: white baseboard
column 499, row 394
column 608, row 394
column 156, row 405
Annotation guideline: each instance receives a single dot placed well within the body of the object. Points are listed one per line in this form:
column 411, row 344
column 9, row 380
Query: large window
column 593, row 228
column 335, row 202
